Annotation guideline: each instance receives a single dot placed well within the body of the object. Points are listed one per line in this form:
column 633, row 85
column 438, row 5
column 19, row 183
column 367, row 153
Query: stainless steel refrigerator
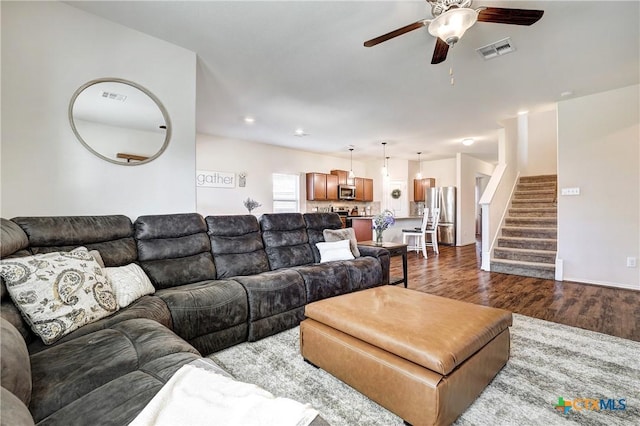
column 443, row 198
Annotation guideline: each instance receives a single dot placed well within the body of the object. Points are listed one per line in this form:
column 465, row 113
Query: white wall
column 49, row 49
column 468, row 168
column 599, row 152
column 543, row 144
column 259, row 161
column 444, row 171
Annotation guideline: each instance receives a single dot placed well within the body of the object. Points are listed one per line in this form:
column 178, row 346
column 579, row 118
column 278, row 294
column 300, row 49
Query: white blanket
column 194, row 396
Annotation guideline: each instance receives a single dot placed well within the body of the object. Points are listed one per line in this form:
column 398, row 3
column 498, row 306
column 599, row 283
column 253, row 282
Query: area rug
column 551, row 365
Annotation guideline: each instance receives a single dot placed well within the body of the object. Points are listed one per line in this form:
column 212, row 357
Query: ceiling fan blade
column 502, row 15
column 440, row 51
column 396, row 33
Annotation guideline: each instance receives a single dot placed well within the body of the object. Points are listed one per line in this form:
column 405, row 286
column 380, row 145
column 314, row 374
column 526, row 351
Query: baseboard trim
column 602, row 283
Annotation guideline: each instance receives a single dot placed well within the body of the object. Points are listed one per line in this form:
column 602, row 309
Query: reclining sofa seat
column 276, row 298
column 104, row 372
column 112, row 236
column 287, row 244
column 175, row 252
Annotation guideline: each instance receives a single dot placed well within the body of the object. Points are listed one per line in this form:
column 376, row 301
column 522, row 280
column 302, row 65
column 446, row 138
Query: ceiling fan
column 451, row 18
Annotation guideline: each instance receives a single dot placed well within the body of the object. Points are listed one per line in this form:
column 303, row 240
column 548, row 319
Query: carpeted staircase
column 529, row 236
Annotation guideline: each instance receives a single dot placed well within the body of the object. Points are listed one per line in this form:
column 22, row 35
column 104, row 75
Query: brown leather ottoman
column 425, row 358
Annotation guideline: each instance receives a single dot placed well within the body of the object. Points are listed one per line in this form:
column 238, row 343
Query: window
column 286, row 193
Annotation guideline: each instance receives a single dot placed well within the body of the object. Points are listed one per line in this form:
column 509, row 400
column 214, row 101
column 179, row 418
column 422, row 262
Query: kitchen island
column 362, row 226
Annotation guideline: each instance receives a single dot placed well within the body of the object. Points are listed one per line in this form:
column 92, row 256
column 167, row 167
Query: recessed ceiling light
column 467, row 142
column 566, row 93
column 300, row 133
column 249, row 120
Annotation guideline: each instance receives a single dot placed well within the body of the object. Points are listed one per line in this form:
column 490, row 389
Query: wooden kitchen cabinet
column 419, row 186
column 332, row 187
column 322, row 187
column 368, row 190
column 316, row 186
column 343, row 175
column 364, row 189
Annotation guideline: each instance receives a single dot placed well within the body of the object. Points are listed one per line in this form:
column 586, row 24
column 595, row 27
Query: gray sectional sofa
column 219, row 281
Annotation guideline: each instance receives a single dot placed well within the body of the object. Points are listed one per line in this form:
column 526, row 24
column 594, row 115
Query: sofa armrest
column 382, row 255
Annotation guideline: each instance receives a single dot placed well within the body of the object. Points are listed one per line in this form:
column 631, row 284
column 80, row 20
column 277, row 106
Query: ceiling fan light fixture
column 451, row 25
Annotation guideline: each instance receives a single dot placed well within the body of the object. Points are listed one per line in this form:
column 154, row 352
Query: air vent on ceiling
column 114, row 96
column 496, row 49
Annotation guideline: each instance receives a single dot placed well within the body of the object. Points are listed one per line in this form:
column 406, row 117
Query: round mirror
column 119, row 121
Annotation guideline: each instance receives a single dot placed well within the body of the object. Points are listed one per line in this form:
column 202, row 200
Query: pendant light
column 351, row 174
column 385, row 171
column 419, row 174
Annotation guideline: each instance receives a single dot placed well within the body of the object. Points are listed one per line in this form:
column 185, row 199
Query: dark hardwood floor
column 456, row 273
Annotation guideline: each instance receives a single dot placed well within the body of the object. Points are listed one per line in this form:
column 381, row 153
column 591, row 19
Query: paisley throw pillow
column 59, row 292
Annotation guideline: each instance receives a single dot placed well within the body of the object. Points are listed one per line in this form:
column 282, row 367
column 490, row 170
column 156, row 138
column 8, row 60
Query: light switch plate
column 570, row 191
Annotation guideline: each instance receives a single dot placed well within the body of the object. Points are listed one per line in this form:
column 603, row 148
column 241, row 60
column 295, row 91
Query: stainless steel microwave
column 346, row 192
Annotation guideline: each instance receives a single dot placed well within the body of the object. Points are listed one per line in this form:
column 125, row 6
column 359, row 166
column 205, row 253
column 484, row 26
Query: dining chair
column 432, row 232
column 417, row 235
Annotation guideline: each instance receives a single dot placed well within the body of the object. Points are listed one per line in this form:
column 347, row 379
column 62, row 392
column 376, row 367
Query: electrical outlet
column 570, row 191
column 631, row 262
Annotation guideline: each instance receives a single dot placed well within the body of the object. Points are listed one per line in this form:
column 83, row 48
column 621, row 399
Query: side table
column 395, row 249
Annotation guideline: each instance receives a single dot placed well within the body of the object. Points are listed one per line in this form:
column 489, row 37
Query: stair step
column 525, row 255
column 528, row 243
column 531, row 221
column 529, row 232
column 534, row 212
column 527, row 269
column 534, row 194
column 549, row 186
column 540, row 178
column 534, row 203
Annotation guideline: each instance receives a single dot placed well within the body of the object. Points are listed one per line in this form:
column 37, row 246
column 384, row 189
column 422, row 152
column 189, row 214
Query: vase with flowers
column 382, row 221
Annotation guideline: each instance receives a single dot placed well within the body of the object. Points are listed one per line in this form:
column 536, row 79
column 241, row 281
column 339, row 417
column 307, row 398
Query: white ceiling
column 301, row 64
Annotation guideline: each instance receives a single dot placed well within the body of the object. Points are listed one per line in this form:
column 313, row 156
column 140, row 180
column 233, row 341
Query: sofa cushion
column 364, row 272
column 59, row 292
column 236, row 244
column 12, row 238
column 273, row 299
column 15, row 374
column 14, row 411
column 325, row 280
column 174, row 249
column 316, row 223
column 285, row 240
column 120, row 358
column 129, row 283
column 149, row 307
column 205, row 309
column 112, row 236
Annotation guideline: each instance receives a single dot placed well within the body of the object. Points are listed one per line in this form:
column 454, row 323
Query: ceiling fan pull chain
column 453, row 79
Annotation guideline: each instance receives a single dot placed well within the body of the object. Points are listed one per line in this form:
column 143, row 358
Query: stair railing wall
column 495, row 203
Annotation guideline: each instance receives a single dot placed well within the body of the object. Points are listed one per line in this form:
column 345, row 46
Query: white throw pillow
column 337, row 250
column 59, row 292
column 129, row 283
column 331, row 235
